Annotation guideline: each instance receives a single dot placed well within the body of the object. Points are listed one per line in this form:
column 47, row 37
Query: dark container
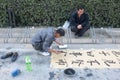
column 69, row 72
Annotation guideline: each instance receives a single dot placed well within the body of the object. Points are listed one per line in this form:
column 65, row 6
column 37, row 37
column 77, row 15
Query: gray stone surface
column 41, row 65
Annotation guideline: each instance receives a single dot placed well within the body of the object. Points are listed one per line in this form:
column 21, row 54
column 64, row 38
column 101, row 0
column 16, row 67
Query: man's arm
column 58, row 42
column 54, row 51
column 86, row 21
column 47, row 44
column 72, row 19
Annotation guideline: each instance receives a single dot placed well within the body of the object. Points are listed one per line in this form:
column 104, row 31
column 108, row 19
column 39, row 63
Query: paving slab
column 41, row 64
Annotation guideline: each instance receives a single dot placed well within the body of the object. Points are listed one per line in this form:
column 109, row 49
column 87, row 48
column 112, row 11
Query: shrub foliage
column 55, row 12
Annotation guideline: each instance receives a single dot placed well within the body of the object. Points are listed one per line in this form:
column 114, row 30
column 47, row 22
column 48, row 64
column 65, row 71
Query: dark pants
column 79, row 32
column 38, row 46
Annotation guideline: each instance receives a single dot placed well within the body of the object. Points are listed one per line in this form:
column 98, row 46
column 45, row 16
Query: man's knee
column 37, row 47
column 82, row 32
column 74, row 29
column 34, row 46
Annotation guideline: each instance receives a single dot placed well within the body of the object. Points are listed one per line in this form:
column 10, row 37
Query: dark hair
column 80, row 7
column 60, row 31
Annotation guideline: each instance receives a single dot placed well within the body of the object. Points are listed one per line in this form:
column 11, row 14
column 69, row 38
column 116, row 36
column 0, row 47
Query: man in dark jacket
column 79, row 21
column 44, row 38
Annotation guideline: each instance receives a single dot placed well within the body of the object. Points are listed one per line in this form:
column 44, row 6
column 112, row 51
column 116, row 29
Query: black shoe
column 14, row 57
column 7, row 55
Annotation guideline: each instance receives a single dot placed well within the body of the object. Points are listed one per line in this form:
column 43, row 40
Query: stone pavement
column 18, row 40
column 41, row 65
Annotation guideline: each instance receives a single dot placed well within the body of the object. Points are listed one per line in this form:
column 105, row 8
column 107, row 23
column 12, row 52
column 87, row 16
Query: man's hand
column 57, row 52
column 79, row 26
column 54, row 51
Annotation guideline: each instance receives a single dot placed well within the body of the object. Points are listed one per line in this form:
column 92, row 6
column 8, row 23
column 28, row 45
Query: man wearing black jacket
column 79, row 21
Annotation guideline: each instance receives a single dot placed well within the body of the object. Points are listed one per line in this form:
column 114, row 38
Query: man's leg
column 75, row 30
column 82, row 31
column 39, row 47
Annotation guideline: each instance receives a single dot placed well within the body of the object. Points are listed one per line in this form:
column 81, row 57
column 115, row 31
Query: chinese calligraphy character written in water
column 98, row 58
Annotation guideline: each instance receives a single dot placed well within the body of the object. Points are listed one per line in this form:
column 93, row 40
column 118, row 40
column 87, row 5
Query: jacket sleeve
column 72, row 20
column 47, row 43
column 86, row 21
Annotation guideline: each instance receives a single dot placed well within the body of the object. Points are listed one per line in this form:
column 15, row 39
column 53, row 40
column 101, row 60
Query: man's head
column 80, row 10
column 59, row 33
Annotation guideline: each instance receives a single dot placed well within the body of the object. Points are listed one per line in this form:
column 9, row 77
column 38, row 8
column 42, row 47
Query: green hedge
column 55, row 12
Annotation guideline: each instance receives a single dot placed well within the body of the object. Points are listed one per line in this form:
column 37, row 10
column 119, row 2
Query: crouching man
column 79, row 21
column 44, row 39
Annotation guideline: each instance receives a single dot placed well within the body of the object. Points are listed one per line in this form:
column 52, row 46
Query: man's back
column 41, row 35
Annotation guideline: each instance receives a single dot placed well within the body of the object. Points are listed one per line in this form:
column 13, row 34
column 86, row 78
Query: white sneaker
column 44, row 53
